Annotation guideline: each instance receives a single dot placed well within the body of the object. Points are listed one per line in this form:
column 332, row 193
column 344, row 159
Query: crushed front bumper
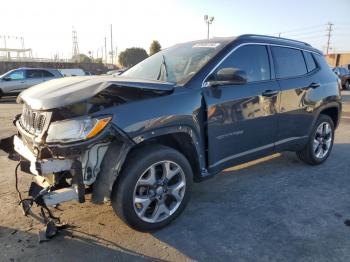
column 41, row 168
column 37, row 166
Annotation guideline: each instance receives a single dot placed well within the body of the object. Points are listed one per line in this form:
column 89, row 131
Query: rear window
column 47, row 74
column 288, row 62
column 310, row 61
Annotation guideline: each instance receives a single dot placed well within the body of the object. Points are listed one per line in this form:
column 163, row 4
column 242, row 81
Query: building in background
column 341, row 59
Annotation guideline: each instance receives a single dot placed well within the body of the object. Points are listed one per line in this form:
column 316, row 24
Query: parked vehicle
column 182, row 115
column 15, row 81
column 344, row 75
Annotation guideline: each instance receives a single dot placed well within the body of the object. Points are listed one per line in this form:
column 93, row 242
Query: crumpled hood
column 69, row 90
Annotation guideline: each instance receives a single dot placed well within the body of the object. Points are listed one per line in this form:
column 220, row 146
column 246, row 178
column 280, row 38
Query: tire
column 161, row 202
column 313, row 153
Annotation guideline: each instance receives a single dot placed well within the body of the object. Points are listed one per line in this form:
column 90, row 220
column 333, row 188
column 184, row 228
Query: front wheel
column 320, row 142
column 153, row 188
column 347, row 85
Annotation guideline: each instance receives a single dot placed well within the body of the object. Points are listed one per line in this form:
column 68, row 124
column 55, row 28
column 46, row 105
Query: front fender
column 181, row 111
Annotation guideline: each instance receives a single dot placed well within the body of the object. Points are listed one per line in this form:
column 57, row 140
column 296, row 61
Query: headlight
column 76, row 129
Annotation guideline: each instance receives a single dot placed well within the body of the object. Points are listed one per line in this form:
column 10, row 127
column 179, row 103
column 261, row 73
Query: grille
column 32, row 121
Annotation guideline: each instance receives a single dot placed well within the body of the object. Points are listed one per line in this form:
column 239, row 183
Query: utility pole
column 329, row 30
column 106, row 50
column 208, row 20
column 112, row 52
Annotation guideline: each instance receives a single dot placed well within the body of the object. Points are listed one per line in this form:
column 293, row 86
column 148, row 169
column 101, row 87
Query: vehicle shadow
column 19, row 245
column 279, row 209
column 8, row 100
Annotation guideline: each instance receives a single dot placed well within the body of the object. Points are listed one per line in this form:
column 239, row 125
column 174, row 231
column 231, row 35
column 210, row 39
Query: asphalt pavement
column 272, row 209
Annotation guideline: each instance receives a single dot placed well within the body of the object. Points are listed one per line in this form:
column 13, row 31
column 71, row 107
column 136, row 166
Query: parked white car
column 15, row 81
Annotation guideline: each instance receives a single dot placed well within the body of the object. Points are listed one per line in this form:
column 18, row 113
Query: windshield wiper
column 163, row 65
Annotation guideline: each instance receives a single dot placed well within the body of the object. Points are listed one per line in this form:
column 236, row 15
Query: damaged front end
column 68, row 141
column 64, row 156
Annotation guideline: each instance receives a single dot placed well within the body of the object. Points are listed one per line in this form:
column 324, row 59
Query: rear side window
column 288, row 62
column 47, row 74
column 34, row 74
column 310, row 61
column 253, row 59
column 322, row 63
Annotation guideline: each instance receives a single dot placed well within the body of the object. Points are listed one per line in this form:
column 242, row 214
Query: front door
column 14, row 82
column 242, row 120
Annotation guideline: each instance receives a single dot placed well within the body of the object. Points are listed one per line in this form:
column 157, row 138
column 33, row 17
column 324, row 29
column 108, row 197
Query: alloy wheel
column 322, row 140
column 159, row 191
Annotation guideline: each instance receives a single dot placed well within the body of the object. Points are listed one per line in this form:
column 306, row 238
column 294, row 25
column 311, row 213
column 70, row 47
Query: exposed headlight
column 76, row 129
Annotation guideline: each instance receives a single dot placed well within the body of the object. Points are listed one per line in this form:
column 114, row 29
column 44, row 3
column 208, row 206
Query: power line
column 300, row 29
column 310, row 36
column 305, row 33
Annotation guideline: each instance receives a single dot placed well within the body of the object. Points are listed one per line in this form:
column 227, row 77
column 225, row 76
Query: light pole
column 208, row 20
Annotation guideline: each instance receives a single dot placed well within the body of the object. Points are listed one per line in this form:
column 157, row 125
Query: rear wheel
column 320, row 143
column 347, row 85
column 153, row 188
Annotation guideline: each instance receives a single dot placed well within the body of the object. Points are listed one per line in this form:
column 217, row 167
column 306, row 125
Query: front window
column 16, row 75
column 252, row 59
column 176, row 64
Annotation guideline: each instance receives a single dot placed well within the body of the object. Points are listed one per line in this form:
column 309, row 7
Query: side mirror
column 228, row 76
column 6, row 78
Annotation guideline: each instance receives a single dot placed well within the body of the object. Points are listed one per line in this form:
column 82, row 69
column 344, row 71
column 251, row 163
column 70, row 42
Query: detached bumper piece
column 44, row 195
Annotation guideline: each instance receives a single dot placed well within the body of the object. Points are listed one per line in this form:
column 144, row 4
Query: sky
column 46, row 26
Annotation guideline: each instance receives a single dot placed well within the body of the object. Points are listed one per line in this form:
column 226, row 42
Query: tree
column 81, row 58
column 132, row 56
column 155, row 47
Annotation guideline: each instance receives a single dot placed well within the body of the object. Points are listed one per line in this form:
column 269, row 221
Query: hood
column 70, row 90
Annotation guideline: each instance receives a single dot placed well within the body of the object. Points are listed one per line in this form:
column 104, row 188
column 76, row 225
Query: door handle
column 269, row 93
column 313, row 85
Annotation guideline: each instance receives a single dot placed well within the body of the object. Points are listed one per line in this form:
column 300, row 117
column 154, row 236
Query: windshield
column 175, row 64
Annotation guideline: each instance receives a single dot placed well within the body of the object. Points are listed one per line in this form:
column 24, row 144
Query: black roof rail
column 275, row 38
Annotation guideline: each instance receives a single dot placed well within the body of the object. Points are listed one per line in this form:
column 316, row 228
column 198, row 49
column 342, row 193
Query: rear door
column 47, row 75
column 296, row 75
column 242, row 121
column 34, row 77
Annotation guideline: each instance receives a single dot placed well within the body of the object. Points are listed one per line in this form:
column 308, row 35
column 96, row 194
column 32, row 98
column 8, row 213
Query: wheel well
column 181, row 142
column 333, row 113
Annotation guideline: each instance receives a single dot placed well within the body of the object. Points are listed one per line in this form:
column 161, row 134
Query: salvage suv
column 182, row 115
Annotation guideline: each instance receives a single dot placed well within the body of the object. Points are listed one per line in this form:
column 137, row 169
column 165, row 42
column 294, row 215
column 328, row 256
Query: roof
column 35, row 68
column 278, row 40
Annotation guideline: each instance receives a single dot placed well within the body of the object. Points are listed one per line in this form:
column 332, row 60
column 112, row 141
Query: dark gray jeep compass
column 182, row 115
